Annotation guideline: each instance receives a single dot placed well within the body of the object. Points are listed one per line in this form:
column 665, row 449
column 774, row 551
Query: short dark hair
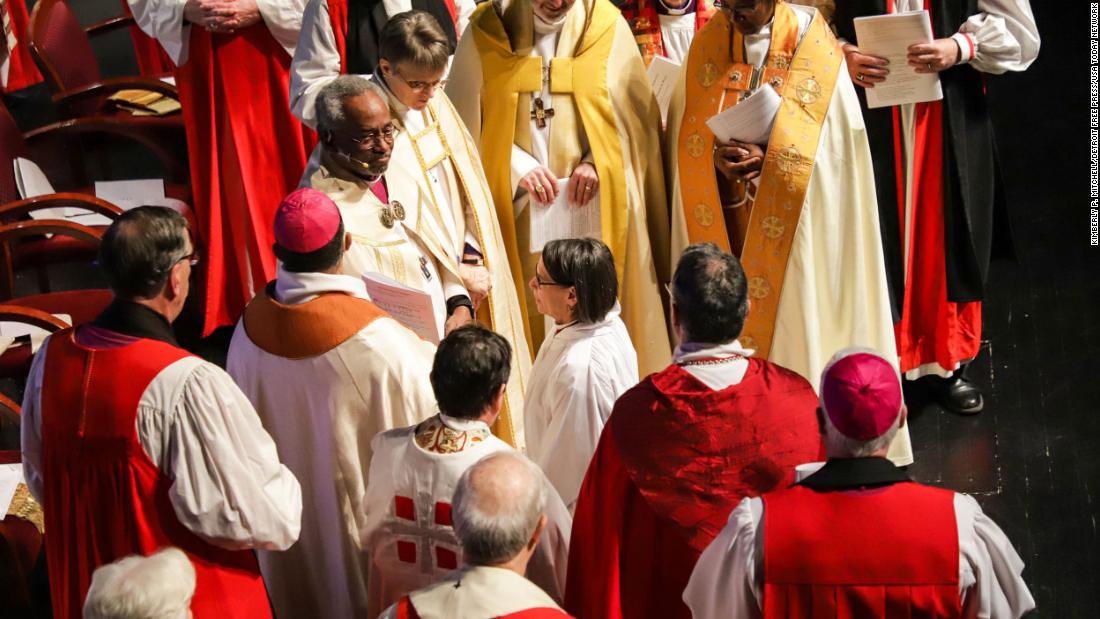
column 416, row 38
column 140, row 248
column 588, row 266
column 710, row 294
column 322, row 259
column 470, row 366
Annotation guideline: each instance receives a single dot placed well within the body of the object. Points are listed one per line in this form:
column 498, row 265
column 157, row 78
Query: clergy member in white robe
column 799, row 208
column 327, row 371
column 585, row 363
column 455, row 216
column 381, row 206
column 409, row 532
column 499, row 514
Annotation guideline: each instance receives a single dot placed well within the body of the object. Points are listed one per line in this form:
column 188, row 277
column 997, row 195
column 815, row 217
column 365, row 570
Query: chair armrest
column 110, row 24
column 8, row 405
column 53, row 200
column 31, row 316
column 36, row 227
column 110, row 86
column 45, row 141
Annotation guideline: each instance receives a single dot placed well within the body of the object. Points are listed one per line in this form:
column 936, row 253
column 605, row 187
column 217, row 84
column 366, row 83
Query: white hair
column 836, row 443
column 330, row 101
column 496, row 512
column 159, row 586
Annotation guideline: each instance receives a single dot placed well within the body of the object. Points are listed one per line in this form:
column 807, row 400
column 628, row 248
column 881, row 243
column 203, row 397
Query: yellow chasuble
column 444, row 140
column 761, row 231
column 597, row 82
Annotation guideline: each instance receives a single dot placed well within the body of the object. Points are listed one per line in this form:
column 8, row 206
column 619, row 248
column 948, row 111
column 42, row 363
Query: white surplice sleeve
column 283, row 19
column 228, row 484
column 465, row 9
column 990, row 570
column 30, row 425
column 724, row 582
column 522, row 164
column 1001, row 37
column 316, row 61
column 163, row 20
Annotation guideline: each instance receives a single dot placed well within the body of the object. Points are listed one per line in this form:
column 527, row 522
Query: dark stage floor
column 1031, row 457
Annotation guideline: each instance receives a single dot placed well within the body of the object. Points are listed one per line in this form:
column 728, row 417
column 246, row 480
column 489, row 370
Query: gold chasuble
column 599, row 88
column 444, row 144
column 806, row 229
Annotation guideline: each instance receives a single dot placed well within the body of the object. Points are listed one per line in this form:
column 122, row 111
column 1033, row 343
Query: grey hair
column 839, row 445
column 330, row 101
column 494, row 538
column 159, row 586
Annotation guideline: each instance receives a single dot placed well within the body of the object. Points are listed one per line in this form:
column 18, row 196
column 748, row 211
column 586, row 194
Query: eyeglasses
column 377, row 136
column 420, row 86
column 192, row 259
column 539, row 283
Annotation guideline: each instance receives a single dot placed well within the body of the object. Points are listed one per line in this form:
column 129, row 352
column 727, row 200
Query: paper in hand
column 662, row 74
column 890, row 36
column 749, row 121
column 559, row 220
column 408, row 306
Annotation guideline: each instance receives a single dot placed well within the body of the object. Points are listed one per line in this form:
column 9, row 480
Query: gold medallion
column 398, row 210
column 704, row 216
column 747, row 342
column 695, row 146
column 777, row 83
column 808, row 91
column 386, row 217
column 759, row 287
column 789, row 160
column 772, row 226
column 708, row 74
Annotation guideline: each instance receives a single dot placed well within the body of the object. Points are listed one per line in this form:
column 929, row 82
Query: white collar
column 295, row 288
column 462, row 425
column 544, row 27
column 690, row 351
column 584, row 329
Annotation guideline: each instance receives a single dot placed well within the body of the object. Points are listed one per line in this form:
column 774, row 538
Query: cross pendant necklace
column 540, row 113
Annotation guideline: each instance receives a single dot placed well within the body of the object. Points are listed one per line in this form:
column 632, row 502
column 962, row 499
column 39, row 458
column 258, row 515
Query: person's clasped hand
column 933, row 57
column 541, row 185
column 584, row 184
column 223, row 16
column 738, row 161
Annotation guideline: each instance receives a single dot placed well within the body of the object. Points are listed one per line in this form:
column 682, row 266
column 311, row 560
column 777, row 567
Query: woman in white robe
column 585, row 363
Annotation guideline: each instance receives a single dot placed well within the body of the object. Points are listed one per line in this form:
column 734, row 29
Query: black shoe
column 961, row 396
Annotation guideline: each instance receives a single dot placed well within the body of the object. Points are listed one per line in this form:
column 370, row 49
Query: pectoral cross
column 539, row 113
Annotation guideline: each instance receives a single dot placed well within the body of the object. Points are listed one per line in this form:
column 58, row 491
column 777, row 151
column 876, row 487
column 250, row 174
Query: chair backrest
column 12, row 145
column 60, row 46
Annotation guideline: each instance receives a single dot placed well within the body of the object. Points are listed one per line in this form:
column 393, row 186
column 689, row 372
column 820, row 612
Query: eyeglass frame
column 371, row 140
column 419, row 86
column 539, row 283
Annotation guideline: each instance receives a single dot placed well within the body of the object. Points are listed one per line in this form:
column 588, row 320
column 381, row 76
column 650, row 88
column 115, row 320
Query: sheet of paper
column 749, row 121
column 408, row 306
column 21, row 329
column 11, row 475
column 890, row 36
column 32, row 182
column 559, row 220
column 662, row 74
column 126, row 195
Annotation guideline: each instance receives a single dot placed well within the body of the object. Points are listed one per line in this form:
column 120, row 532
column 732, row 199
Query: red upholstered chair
column 63, row 51
column 15, row 362
column 14, row 236
column 47, row 146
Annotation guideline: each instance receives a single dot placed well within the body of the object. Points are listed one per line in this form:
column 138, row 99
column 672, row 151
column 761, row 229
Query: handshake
column 224, row 16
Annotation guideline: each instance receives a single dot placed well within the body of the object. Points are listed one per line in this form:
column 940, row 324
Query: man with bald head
column 857, row 536
column 383, row 218
column 499, row 514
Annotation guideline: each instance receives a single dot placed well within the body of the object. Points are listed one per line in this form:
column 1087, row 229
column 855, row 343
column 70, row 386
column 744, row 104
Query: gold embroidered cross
column 539, row 113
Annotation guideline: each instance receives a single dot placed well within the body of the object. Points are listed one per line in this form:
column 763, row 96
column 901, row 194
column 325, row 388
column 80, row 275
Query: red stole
column 645, row 24
column 247, row 151
column 22, row 72
column 885, row 552
column 673, row 461
column 104, row 498
column 931, row 329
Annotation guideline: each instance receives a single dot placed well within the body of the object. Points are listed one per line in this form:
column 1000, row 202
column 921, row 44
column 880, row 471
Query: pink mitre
column 861, row 393
column 306, row 221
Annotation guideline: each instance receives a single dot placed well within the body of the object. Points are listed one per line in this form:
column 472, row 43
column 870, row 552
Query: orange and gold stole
column 761, row 230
